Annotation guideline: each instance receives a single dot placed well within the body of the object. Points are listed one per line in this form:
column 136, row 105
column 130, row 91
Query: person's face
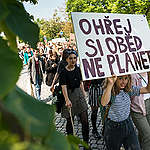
column 41, row 51
column 28, row 50
column 53, row 57
column 36, row 53
column 50, row 52
column 122, row 81
column 72, row 59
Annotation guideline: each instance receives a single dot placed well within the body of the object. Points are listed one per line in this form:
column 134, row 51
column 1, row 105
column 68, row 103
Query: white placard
column 111, row 44
column 61, row 40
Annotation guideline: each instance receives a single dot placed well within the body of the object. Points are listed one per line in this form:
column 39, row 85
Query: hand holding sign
column 112, row 80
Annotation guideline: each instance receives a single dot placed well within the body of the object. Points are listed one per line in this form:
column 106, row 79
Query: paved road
column 95, row 144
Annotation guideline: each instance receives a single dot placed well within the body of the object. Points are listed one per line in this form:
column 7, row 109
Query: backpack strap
column 143, row 79
column 106, row 112
column 105, row 109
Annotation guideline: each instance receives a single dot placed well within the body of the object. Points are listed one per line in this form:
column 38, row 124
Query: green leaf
column 7, row 140
column 76, row 141
column 3, row 10
column 11, row 37
column 57, row 141
column 35, row 117
column 19, row 22
column 10, row 66
column 28, row 146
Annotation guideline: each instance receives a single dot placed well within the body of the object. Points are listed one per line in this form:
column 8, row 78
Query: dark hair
column 72, row 51
column 68, row 52
column 65, row 54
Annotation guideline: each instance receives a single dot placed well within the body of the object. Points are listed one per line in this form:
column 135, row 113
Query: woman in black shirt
column 51, row 68
column 61, row 65
column 74, row 94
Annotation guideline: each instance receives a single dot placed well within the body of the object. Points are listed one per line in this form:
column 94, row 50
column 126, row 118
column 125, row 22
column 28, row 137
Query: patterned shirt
column 95, row 91
column 120, row 108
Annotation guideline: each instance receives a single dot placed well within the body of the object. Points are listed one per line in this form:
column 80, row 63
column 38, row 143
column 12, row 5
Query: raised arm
column 107, row 92
column 145, row 90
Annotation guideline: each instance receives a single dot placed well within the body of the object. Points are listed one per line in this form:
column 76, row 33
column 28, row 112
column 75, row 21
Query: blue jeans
column 118, row 133
column 37, row 88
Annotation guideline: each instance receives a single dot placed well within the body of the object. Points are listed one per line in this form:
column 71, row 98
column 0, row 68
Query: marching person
column 35, row 68
column 61, row 65
column 51, row 67
column 140, row 111
column 118, row 93
column 95, row 90
column 27, row 55
column 74, row 94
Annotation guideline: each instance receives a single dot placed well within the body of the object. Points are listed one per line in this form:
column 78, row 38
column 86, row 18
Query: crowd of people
column 126, row 98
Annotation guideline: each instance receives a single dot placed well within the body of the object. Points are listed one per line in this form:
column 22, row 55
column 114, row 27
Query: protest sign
column 111, row 44
column 61, row 40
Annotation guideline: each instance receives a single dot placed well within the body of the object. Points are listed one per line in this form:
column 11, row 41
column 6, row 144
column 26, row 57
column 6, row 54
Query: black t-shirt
column 71, row 78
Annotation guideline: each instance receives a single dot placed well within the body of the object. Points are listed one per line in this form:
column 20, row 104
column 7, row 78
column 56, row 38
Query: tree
column 109, row 6
column 67, row 28
column 25, row 123
column 52, row 28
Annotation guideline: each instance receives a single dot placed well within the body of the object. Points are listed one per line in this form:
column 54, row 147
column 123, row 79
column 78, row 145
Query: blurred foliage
column 49, row 28
column 52, row 28
column 25, row 123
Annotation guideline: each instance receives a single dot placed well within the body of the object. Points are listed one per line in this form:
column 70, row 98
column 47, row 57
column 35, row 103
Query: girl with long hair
column 119, row 128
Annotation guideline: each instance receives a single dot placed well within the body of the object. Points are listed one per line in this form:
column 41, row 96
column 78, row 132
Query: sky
column 44, row 8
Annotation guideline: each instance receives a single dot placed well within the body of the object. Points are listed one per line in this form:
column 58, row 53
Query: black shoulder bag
column 60, row 98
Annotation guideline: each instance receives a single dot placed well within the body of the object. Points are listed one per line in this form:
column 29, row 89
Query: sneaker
column 96, row 134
